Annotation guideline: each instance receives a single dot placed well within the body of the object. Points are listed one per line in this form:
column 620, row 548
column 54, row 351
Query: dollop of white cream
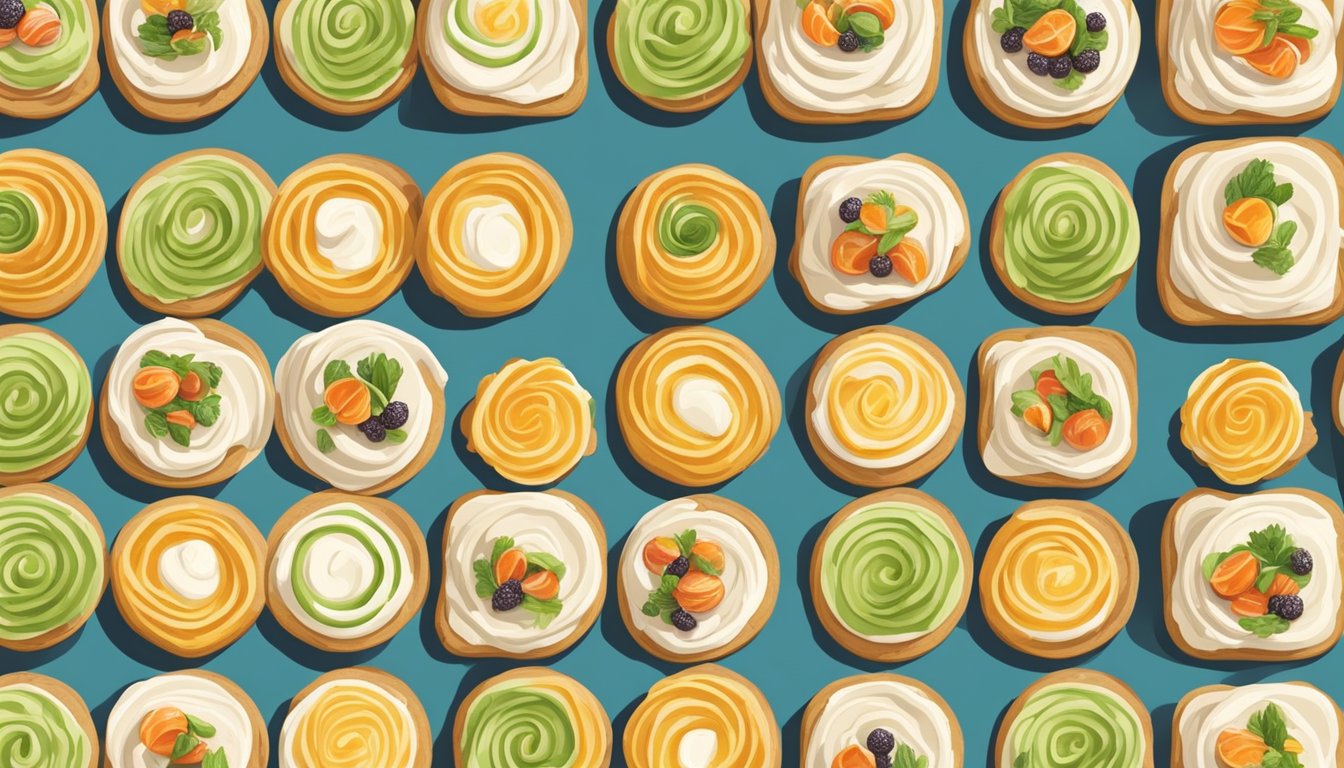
column 191, row 569
column 547, row 71
column 186, row 77
column 907, row 712
column 349, row 233
column 198, row 697
column 697, row 748
column 494, row 234
column 703, row 404
column 1309, row 714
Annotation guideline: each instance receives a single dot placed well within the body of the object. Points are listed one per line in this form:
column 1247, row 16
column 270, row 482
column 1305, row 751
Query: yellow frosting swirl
column 730, row 708
column 350, row 724
column 1243, row 419
column 531, row 421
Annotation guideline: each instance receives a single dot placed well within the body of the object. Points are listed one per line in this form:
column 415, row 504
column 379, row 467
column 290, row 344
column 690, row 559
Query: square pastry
column 1220, row 725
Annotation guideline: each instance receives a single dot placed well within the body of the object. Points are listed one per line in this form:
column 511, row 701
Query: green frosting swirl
column 686, row 228
column 460, row 30
column 515, row 727
column 350, row 50
column 45, row 397
column 19, row 221
column 51, row 566
column 362, row 607
column 194, row 229
column 51, row 65
column 36, row 731
column 679, row 49
column 891, row 569
column 1068, row 233
column 1076, row 726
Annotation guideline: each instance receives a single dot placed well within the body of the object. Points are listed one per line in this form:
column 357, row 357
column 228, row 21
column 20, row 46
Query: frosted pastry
column 1255, row 724
column 1337, row 394
column 46, row 404
column 347, row 57
column 44, row 724
column 531, row 717
column 197, row 716
column 356, row 716
column 705, row 715
column 857, row 719
column 1098, row 717
column 48, row 57
column 680, row 55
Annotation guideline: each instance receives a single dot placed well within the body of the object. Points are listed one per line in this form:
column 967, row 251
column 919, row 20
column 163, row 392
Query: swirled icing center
column 1076, row 726
column 349, row 50
column 494, row 236
column 45, row 397
column 1243, row 419
column 349, row 233
column 687, row 228
column 19, row 221
column 37, row 731
column 51, row 565
column 348, row 724
column 679, row 49
column 532, row 724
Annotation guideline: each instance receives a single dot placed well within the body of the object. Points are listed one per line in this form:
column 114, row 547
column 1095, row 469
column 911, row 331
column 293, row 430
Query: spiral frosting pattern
column 349, row 50
column 531, row 421
column 37, row 731
column 534, row 723
column 51, row 565
column 45, row 400
column 679, row 49
column 1076, row 726
column 52, row 66
column 1243, row 419
column 494, row 33
column 744, row 730
column 349, row 724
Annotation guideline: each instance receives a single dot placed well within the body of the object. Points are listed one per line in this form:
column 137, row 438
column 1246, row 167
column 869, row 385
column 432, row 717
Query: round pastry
column 858, row 719
column 185, row 718
column 187, row 574
column 44, row 724
column 340, row 234
column 346, row 57
column 349, row 413
column 884, row 406
column 358, row 717
column 694, row 242
column 913, row 210
column 706, row 715
column 175, row 77
column 680, row 55
column 699, row 578
column 1337, row 394
column 495, row 233
column 1251, row 233
column 525, row 574
column 891, row 575
column 186, row 403
column 1076, row 718
column 531, row 421
column 1058, row 406
column 1217, row 720
column 531, row 717
column 53, row 231
column 49, row 59
column 46, row 404
column 345, row 572
column 189, row 241
column 696, row 406
column 1243, row 420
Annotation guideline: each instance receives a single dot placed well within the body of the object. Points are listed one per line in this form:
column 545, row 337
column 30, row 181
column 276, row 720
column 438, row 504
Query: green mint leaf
column 485, row 578
column 1210, row 563
column 1274, row 258
column 649, row 609
column 180, row 434
column 1281, row 194
column 199, row 727
column 324, row 442
column 1024, row 399
column 545, row 611
column 1264, row 626
column 668, row 583
column 185, row 743
column 502, row 544
column 210, row 373
column 215, row 758
column 156, row 424
column 545, row 561
column 704, row 566
column 865, row 24
column 685, row 540
column 335, row 371
column 1072, row 81
column 206, row 410
column 396, row 436
column 323, row 415
column 189, row 46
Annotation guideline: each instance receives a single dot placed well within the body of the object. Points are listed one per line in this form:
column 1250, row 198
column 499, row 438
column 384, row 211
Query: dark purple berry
column 1038, row 64
column 1087, row 61
column 1300, row 562
column 1273, row 605
column 180, row 20
column 849, row 210
column 1096, row 21
column 395, row 414
column 374, row 430
column 1060, row 67
column 849, row 41
column 1289, row 607
column 683, row 620
column 881, row 741
column 678, row 567
column 1011, row 41
column 882, row 761
column 508, row 596
column 879, row 266
column 11, row 13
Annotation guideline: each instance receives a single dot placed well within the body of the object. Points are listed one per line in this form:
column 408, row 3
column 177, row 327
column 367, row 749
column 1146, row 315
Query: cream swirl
column 904, row 710
column 349, row 723
column 1244, row 420
column 198, row 696
column 1310, row 715
column 522, row 51
column 184, row 77
column 349, row 233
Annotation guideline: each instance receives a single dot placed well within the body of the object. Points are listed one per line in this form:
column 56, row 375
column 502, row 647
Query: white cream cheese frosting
column 511, row 71
column 186, row 77
column 494, row 235
column 1309, row 714
column 905, row 711
column 703, row 404
column 349, row 233
column 191, row 569
column 197, row 696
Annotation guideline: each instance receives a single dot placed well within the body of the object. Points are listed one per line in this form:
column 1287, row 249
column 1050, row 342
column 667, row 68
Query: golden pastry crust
column 391, row 686
column 1077, row 676
column 58, row 464
column 48, row 103
column 817, row 705
column 595, row 739
column 1177, row 742
column 261, row 743
column 68, row 698
column 1337, row 393
column 710, row 697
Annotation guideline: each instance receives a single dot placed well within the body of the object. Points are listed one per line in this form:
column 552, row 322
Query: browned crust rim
column 58, row 464
column 48, row 103
column 1077, row 676
column 261, row 742
column 817, row 706
column 389, row 684
column 589, row 701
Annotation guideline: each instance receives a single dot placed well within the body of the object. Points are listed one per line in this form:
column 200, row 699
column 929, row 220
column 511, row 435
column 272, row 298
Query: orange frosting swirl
column 531, row 421
column 696, row 700
column 1243, row 419
column 349, row 724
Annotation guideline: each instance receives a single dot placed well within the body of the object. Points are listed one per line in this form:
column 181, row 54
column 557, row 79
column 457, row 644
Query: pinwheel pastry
column 189, row 241
column 1243, row 420
column 1058, row 406
column 891, row 575
column 531, row 421
column 531, row 717
column 699, row 577
column 44, row 724
column 48, row 56
column 1288, row 724
column 340, row 234
column 345, row 572
column 874, row 233
column 358, row 716
column 495, row 233
column 191, row 717
column 858, row 720
column 884, row 406
column 694, row 242
column 696, row 406
column 346, row 57
column 706, row 715
column 1076, row 717
column 46, row 404
column 182, row 60
column 1251, row 233
column 360, row 405
column 525, row 574
column 680, row 55
column 186, row 403
column 53, row 231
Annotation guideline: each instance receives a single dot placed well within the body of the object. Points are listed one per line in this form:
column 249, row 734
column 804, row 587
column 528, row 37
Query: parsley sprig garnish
column 157, row 42
column 1281, row 17
column 1080, row 397
column 1257, row 180
column 1273, row 547
column 380, row 374
column 1272, row 729
column 205, row 410
column 898, row 225
column 544, row 611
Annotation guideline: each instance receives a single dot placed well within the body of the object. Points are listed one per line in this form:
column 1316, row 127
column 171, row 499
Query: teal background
column 588, row 320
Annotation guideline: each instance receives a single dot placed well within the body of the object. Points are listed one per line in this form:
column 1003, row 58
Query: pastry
column 699, row 577
column 1076, row 718
column 531, row 421
column 531, row 717
column 506, row 57
column 857, row 719
column 1251, row 233
column 44, row 724
column 1288, row 724
column 191, row 717
column 1254, row 577
column 695, row 405
column 1065, row 234
column 48, row 57
column 187, row 574
column 891, row 575
column 884, row 406
column 186, row 403
column 358, row 716
column 345, row 572
column 1059, row 579
column 694, row 242
column 1243, row 420
column 340, row 234
column 1058, row 406
column 495, row 233
column 188, row 67
column 525, row 574
column 189, row 241
column 680, row 55
column 1050, row 64
column 349, row 414
column 706, row 715
column 346, row 57
column 913, row 210
column 1337, row 394
column 46, row 404
column 53, row 231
